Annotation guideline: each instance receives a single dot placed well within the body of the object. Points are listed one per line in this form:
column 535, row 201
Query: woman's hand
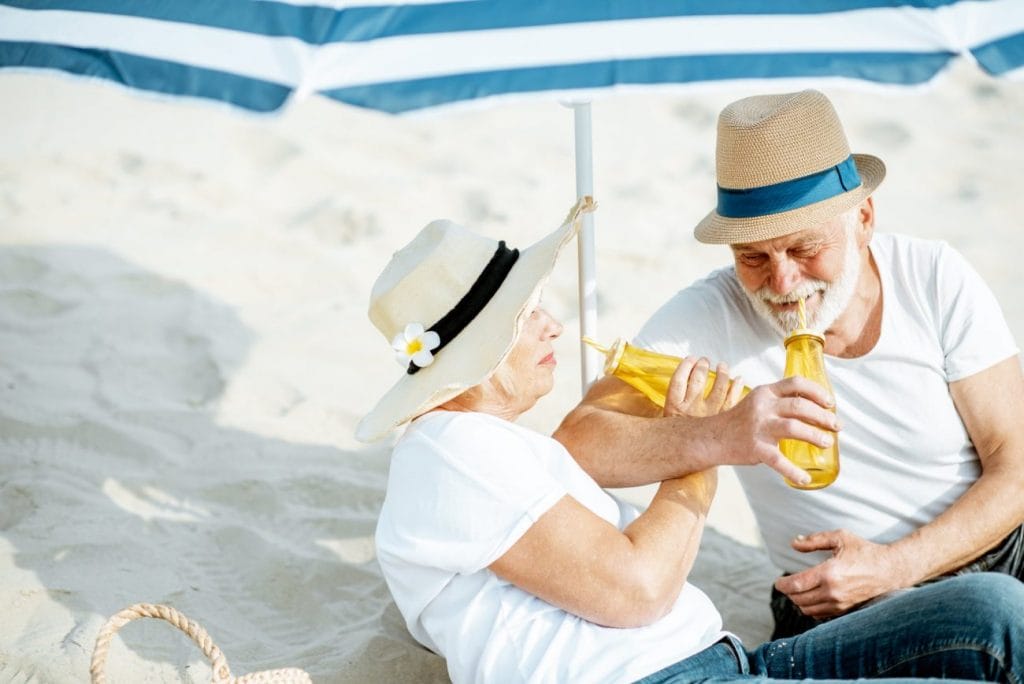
column 685, row 395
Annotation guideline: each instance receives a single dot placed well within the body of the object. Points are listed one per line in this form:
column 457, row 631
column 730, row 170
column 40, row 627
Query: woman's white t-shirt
column 462, row 489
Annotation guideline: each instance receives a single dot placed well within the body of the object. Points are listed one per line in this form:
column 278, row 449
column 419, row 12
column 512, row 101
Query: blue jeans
column 969, row 627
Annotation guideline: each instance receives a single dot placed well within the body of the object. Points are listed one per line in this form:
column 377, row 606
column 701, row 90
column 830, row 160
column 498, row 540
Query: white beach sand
column 184, row 350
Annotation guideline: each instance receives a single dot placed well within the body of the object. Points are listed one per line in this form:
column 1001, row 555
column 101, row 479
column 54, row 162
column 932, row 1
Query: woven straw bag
column 221, row 671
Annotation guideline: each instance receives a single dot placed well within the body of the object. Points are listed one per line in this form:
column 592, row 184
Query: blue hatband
column 791, row 194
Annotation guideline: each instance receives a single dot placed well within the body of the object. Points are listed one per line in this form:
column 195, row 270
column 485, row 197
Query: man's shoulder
column 901, row 244
column 719, row 283
column 909, row 254
column 703, row 305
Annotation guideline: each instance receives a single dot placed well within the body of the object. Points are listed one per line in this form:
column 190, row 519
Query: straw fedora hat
column 783, row 164
column 452, row 303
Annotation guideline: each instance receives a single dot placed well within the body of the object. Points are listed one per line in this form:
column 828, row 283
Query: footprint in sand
column 18, row 504
column 26, row 303
column 23, row 284
column 334, row 224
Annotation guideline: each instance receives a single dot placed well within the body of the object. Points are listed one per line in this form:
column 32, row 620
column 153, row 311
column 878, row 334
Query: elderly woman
column 508, row 560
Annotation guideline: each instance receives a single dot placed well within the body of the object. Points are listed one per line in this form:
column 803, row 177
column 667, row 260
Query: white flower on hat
column 415, row 345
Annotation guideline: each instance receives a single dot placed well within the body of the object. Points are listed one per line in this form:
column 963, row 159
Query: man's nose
column 785, row 275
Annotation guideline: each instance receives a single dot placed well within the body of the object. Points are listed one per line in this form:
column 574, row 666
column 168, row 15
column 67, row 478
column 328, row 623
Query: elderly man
column 927, row 381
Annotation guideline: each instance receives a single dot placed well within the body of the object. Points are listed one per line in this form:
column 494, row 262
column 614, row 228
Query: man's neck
column 856, row 332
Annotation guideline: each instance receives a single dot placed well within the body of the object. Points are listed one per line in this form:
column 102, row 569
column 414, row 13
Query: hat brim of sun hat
column 479, row 348
column 718, row 229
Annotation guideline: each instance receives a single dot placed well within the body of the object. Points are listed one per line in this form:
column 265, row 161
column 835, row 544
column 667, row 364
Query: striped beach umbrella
column 259, row 55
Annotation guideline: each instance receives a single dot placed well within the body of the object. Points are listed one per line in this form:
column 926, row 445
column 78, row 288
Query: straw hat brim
column 479, row 349
column 717, row 229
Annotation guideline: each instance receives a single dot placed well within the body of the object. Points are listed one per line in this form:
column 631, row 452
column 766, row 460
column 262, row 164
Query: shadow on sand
column 119, row 486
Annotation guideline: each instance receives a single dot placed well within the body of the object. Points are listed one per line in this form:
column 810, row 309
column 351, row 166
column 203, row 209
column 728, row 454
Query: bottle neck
column 804, row 334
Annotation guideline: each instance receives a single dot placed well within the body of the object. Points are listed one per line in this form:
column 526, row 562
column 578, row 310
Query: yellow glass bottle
column 645, row 370
column 805, row 355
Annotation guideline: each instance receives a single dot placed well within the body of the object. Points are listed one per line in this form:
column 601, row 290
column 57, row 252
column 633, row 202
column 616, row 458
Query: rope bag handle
column 221, row 671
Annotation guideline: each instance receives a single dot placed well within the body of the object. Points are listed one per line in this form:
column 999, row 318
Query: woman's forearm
column 667, row 536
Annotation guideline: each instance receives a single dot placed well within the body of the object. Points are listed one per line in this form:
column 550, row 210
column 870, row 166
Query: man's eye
column 752, row 259
column 804, row 252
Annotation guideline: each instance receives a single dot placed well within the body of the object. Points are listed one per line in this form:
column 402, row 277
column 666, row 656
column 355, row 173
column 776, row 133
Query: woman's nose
column 552, row 326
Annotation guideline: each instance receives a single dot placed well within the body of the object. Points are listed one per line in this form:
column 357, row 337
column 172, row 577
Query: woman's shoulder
column 454, row 423
column 464, row 433
column 457, row 454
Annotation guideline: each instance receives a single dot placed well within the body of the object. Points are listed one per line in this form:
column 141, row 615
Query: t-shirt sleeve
column 465, row 493
column 687, row 323
column 973, row 330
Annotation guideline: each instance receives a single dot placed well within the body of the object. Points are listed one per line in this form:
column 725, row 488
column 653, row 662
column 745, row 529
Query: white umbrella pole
column 590, row 360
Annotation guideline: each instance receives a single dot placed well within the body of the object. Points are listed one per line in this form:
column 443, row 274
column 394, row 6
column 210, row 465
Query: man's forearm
column 975, row 523
column 991, row 404
column 622, row 450
column 621, row 439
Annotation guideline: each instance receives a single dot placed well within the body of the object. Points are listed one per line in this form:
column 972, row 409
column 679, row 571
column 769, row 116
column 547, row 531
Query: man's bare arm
column 991, row 404
column 617, row 436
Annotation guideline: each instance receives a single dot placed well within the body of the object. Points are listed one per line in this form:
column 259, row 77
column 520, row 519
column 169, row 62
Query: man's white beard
column 835, row 296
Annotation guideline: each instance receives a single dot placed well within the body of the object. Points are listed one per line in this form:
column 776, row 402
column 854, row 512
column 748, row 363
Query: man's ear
column 867, row 221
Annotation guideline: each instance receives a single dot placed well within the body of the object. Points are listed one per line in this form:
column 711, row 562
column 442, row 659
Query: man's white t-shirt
column 904, row 453
column 462, row 489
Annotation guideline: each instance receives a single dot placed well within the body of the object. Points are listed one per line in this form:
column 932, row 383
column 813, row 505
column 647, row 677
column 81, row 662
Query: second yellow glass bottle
column 805, row 355
column 646, row 370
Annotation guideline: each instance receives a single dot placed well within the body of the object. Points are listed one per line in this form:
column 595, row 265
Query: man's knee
column 992, row 599
column 989, row 607
column 991, row 588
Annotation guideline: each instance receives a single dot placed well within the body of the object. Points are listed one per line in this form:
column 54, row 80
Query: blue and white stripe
column 258, row 54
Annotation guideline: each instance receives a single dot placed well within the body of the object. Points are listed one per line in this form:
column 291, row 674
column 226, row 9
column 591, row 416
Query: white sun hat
column 451, row 304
